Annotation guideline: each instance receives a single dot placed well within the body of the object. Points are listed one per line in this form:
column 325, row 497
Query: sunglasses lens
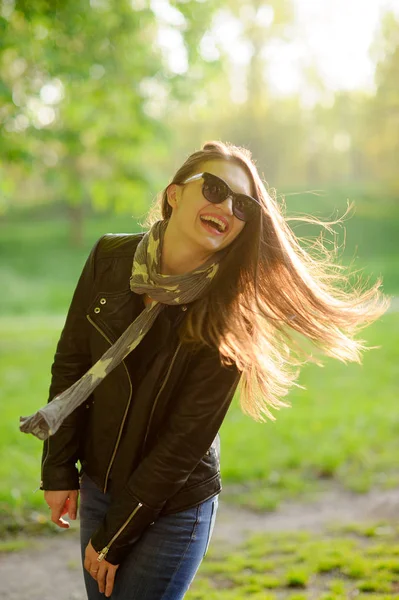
column 214, row 190
column 244, row 208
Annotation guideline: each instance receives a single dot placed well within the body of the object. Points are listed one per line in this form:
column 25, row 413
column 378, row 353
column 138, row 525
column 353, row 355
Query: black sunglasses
column 216, row 190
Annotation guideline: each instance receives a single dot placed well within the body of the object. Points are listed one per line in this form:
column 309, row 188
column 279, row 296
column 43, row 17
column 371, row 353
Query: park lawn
column 38, row 266
column 343, row 428
column 361, row 562
column 26, row 351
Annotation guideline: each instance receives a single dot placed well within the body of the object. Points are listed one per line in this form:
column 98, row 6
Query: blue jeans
column 163, row 562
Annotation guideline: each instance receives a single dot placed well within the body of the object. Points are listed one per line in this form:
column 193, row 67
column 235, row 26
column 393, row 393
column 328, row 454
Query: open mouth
column 213, row 224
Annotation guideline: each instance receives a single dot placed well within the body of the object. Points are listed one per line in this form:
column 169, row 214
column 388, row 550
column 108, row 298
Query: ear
column 172, row 193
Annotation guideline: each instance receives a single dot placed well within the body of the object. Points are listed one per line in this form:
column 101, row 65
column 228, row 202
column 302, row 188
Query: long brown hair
column 269, row 289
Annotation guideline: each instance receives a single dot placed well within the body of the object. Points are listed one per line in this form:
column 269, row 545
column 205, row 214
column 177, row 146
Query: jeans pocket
column 211, row 522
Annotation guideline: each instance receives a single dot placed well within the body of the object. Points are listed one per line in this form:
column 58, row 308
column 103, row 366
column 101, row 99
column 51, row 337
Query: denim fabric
column 163, row 563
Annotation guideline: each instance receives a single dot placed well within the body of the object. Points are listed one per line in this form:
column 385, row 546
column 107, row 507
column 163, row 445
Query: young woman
column 162, row 328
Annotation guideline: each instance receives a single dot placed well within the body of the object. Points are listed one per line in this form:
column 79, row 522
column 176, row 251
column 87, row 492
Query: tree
column 382, row 126
column 84, row 90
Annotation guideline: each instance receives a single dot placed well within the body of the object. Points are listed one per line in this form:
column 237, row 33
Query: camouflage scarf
column 145, row 279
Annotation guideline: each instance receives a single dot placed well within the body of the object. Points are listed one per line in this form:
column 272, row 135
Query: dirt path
column 50, row 569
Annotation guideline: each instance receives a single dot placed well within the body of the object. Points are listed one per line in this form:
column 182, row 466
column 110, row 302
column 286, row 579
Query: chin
column 215, row 243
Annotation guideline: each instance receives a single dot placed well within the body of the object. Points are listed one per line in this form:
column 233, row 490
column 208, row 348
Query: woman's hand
column 103, row 572
column 61, row 502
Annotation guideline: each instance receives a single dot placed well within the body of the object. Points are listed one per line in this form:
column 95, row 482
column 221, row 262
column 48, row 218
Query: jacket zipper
column 43, row 463
column 106, row 548
column 159, row 393
column 126, row 410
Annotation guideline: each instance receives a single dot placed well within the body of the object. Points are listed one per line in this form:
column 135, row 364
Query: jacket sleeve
column 198, row 412
column 72, row 359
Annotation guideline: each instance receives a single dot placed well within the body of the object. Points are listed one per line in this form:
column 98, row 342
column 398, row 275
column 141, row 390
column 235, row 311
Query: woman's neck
column 178, row 256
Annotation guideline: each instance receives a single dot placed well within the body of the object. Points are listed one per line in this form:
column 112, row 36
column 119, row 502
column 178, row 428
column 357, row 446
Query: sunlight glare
column 171, row 42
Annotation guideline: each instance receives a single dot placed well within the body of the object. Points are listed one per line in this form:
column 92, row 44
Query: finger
column 87, row 564
column 90, row 567
column 56, row 518
column 101, row 576
column 73, row 505
column 65, row 508
column 109, row 585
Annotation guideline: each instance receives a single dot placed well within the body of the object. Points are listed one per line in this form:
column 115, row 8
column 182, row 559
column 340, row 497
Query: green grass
column 26, row 351
column 14, row 545
column 298, row 566
column 39, row 268
column 348, row 413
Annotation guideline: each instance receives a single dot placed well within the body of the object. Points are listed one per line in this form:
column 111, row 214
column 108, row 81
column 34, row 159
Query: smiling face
column 189, row 204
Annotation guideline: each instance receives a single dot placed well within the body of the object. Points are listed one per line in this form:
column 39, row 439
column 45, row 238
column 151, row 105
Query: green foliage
column 237, row 574
column 95, row 112
column 84, row 90
column 382, row 127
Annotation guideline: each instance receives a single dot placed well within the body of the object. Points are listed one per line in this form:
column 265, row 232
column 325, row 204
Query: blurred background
column 102, row 100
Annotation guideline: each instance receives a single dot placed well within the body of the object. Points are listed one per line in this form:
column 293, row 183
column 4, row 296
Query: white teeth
column 215, row 219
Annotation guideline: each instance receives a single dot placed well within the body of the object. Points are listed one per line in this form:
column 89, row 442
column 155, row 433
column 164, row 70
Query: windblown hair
column 268, row 289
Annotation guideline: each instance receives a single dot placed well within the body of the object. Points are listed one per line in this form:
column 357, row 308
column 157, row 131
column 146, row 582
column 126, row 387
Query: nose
column 228, row 204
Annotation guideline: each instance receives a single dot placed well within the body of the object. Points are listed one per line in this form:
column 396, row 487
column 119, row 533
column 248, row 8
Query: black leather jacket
column 151, row 440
